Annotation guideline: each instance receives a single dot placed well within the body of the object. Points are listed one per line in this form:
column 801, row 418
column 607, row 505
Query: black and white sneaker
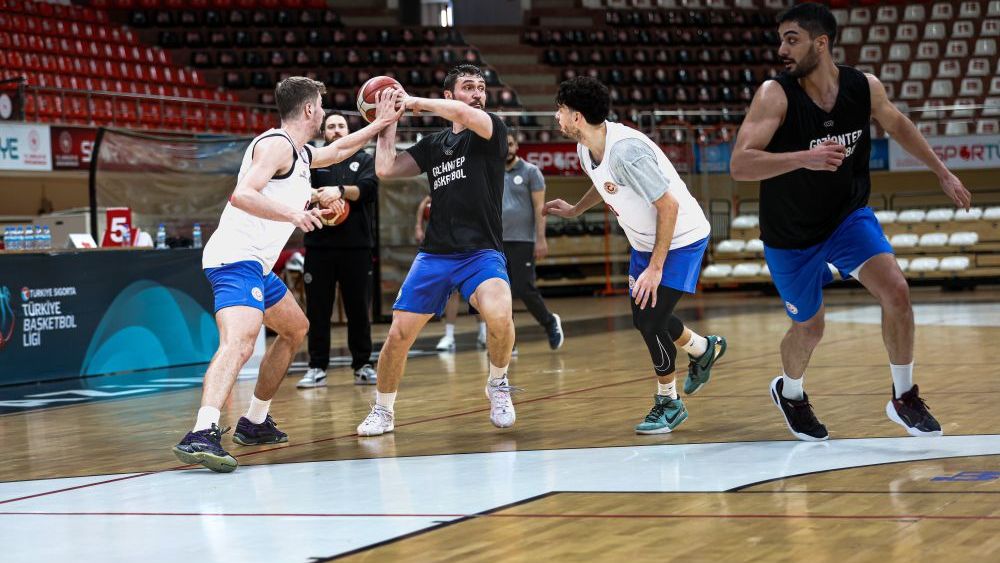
column 910, row 412
column 798, row 415
column 555, row 332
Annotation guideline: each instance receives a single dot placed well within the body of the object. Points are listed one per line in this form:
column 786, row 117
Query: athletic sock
column 696, row 346
column 207, row 416
column 902, row 378
column 792, row 388
column 257, row 412
column 497, row 374
column 667, row 389
column 449, row 330
column 385, row 400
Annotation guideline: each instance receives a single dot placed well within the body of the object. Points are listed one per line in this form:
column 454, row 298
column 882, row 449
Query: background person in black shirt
column 462, row 248
column 341, row 255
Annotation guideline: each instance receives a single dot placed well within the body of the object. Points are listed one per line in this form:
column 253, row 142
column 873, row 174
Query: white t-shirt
column 242, row 236
column 632, row 175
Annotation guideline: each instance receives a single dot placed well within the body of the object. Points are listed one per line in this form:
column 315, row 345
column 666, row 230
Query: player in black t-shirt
column 806, row 138
column 462, row 248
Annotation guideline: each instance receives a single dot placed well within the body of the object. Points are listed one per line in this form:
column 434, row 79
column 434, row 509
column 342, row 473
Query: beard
column 571, row 132
column 511, row 157
column 808, row 64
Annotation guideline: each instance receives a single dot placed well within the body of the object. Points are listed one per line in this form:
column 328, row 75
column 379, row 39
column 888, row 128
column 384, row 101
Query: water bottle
column 16, row 238
column 6, row 238
column 28, row 238
column 39, row 238
column 196, row 235
column 47, row 237
column 161, row 236
column 126, row 237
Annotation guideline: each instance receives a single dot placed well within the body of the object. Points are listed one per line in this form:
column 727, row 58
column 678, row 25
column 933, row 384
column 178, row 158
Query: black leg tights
column 659, row 328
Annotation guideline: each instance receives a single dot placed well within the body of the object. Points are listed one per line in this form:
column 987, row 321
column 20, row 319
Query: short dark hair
column 294, row 92
column 330, row 114
column 814, row 18
column 461, row 70
column 586, row 95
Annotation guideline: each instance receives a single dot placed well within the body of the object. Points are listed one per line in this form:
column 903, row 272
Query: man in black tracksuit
column 342, row 254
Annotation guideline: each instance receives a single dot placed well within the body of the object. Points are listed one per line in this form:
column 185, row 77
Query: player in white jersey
column 273, row 191
column 666, row 228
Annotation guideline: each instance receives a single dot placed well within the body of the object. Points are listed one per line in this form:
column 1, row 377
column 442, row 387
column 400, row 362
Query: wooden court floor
column 590, row 394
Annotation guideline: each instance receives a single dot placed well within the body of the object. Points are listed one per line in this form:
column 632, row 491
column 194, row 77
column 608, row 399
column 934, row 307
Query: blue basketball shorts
column 800, row 274
column 243, row 283
column 680, row 270
column 433, row 277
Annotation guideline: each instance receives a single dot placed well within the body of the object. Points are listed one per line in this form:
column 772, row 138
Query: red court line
column 892, row 517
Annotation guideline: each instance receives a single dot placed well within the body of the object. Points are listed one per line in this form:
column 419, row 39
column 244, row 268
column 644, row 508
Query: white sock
column 482, row 330
column 902, row 378
column 207, row 416
column 696, row 346
column 497, row 374
column 385, row 400
column 449, row 330
column 257, row 411
column 792, row 388
column 667, row 389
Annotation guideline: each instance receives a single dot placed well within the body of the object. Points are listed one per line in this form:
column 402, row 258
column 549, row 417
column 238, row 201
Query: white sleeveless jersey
column 242, row 236
column 637, row 217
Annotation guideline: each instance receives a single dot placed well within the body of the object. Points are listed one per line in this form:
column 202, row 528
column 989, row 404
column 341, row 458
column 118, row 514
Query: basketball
column 331, row 218
column 427, row 212
column 368, row 91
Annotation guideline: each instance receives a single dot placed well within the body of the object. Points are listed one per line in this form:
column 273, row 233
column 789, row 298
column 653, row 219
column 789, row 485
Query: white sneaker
column 501, row 407
column 314, row 377
column 446, row 344
column 378, row 422
column 365, row 375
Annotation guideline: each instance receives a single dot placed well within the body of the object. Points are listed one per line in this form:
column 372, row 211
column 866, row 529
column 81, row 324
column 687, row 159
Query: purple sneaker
column 204, row 447
column 250, row 434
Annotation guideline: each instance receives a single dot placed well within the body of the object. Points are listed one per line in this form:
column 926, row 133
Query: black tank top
column 803, row 207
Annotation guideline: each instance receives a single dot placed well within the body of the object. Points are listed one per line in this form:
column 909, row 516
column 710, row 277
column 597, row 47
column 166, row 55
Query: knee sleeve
column 652, row 324
column 675, row 327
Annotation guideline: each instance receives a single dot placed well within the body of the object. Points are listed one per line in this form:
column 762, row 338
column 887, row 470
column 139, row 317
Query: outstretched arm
column 341, row 149
column 902, row 130
column 453, row 110
column 388, row 162
column 560, row 208
column 767, row 112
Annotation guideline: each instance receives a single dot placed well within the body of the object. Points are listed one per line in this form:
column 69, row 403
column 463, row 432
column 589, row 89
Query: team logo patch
column 828, row 123
column 354, row 166
column 610, row 187
column 257, row 294
column 308, row 278
column 791, row 308
column 518, row 180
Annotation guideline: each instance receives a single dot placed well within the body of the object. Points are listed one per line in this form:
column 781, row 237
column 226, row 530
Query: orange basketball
column 331, row 218
column 367, row 93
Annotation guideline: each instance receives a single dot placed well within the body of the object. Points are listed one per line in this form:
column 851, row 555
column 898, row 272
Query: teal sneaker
column 700, row 369
column 665, row 415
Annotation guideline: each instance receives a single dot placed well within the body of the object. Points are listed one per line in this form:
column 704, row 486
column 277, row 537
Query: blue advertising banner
column 77, row 314
column 880, row 155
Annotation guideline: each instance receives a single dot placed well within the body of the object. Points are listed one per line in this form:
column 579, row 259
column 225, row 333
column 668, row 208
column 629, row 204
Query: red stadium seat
column 77, row 110
column 125, row 112
column 194, row 118
column 151, row 115
column 172, row 116
column 217, row 119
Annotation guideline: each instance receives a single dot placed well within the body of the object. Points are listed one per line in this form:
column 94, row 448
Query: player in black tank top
column 806, row 139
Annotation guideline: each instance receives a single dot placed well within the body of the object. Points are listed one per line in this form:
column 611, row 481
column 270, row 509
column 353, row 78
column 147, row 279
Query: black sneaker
column 250, row 434
column 555, row 332
column 798, row 415
column 910, row 412
column 204, row 447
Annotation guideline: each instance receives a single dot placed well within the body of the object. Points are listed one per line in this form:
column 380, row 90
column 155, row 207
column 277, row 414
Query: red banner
column 553, row 159
column 72, row 147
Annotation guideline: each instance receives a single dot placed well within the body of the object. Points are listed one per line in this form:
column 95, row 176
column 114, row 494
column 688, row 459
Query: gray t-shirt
column 518, row 211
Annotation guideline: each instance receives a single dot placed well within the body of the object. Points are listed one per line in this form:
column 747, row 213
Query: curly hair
column 586, row 95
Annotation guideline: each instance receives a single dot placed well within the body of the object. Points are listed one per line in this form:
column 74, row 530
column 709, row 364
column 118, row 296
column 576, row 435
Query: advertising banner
column 88, row 313
column 25, row 147
column 880, row 155
column 961, row 152
column 553, row 159
column 72, row 147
